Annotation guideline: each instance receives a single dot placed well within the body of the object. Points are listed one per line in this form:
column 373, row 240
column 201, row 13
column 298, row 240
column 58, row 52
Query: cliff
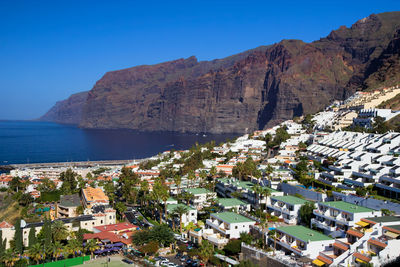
column 68, row 111
column 252, row 90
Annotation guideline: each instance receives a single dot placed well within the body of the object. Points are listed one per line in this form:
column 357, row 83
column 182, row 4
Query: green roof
column 229, row 202
column 231, row 217
column 291, row 200
column 171, row 207
column 303, row 233
column 171, row 199
column 384, row 219
column 70, row 200
column 198, row 191
column 344, row 206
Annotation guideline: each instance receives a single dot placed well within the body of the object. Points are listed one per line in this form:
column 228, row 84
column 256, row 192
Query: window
column 236, row 227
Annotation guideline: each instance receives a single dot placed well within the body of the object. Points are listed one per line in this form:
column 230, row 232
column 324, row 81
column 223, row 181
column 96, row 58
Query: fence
column 64, row 263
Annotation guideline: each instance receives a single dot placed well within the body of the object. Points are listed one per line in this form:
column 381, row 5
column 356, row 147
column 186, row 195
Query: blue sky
column 51, row 49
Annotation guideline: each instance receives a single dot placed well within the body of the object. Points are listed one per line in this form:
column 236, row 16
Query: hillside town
column 318, row 190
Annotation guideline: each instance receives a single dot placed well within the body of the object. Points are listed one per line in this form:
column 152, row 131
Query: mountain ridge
column 251, row 90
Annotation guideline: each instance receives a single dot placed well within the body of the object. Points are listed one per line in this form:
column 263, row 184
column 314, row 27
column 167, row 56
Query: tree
column 233, row 247
column 191, row 177
column 18, row 237
column 179, row 211
column 46, row 185
column 32, row 237
column 273, row 234
column 25, row 199
column 150, row 248
column 121, row 208
column 69, row 179
column 36, row 253
column 246, row 238
column 73, row 247
column 213, row 171
column 306, row 213
column 206, row 250
column 162, row 234
column 128, row 180
column 56, row 249
column 59, row 231
column 9, row 257
column 178, row 181
column 92, row 246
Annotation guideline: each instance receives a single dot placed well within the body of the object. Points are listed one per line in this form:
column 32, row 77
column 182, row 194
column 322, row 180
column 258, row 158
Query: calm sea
column 31, row 142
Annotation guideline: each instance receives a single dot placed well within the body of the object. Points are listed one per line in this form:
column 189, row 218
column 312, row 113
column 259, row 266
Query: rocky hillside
column 67, row 111
column 248, row 91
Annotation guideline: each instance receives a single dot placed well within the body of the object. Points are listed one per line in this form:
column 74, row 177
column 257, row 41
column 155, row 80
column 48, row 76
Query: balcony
column 322, row 225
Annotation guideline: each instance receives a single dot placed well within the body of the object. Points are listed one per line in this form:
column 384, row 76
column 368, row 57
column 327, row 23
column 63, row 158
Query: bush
column 233, row 247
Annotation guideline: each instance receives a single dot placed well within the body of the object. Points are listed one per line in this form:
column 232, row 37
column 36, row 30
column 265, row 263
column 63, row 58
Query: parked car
column 128, row 261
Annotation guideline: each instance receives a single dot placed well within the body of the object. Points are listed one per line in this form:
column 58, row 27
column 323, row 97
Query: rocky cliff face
column 68, row 111
column 248, row 91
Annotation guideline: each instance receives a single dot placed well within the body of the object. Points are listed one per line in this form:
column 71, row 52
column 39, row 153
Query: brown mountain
column 247, row 91
column 67, row 111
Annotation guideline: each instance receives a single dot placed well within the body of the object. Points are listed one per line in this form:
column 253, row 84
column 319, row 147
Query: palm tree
column 274, row 235
column 179, row 211
column 206, row 251
column 263, row 222
column 9, row 257
column 36, row 252
column 56, row 249
column 59, row 231
column 73, row 247
column 191, row 177
column 91, row 246
column 178, row 181
column 266, row 193
column 203, row 176
column 257, row 189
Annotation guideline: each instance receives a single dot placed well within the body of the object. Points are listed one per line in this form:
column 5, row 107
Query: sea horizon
column 27, row 141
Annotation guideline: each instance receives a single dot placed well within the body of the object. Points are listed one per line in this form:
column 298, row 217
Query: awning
column 318, row 262
column 362, row 224
column 391, row 234
column 360, row 261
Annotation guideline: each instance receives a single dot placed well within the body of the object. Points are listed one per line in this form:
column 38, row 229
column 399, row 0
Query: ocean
column 35, row 142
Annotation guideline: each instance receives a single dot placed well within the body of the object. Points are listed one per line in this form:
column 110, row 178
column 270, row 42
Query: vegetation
column 306, row 213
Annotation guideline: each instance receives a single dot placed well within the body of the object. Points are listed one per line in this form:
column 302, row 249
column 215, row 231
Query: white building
column 336, row 217
column 285, row 207
column 229, row 224
column 200, row 196
column 301, row 241
column 189, row 216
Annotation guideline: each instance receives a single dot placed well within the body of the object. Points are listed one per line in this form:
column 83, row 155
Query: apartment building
column 233, row 203
column 229, row 224
column 301, row 241
column 336, row 217
column 189, row 216
column 285, row 207
column 94, row 196
column 200, row 196
column 67, row 206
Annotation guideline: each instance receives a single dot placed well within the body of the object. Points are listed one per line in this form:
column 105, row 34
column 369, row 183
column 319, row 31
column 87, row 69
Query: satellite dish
column 23, row 224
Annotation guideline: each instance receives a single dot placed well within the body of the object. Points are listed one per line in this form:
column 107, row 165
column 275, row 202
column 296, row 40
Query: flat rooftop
column 198, row 191
column 383, row 219
column 229, row 202
column 348, row 207
column 290, row 199
column 171, row 207
column 231, row 217
column 303, row 233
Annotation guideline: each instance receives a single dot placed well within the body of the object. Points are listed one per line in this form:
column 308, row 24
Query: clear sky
column 51, row 49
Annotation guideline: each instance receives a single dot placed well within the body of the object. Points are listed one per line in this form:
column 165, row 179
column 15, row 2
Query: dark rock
column 251, row 90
